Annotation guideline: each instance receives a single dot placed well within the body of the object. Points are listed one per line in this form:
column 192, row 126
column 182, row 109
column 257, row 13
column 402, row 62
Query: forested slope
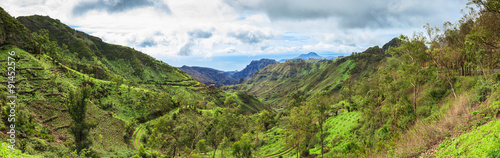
column 128, row 89
column 433, row 94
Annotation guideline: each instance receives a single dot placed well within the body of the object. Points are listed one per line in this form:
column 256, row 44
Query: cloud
column 148, row 42
column 182, row 30
column 351, row 14
column 250, row 36
column 197, row 33
column 193, row 40
column 117, row 6
column 186, row 49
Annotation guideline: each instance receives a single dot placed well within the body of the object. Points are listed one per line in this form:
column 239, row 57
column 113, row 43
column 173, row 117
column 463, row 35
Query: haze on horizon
column 228, row 34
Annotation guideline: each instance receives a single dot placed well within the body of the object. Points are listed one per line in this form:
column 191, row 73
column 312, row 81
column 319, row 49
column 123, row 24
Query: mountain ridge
column 253, row 67
column 310, row 55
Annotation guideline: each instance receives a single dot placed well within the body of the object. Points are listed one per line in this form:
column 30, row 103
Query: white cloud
column 216, row 28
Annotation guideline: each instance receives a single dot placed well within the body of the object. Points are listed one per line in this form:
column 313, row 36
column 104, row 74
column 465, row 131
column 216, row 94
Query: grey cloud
column 200, row 34
column 250, row 37
column 149, row 42
column 186, row 49
column 353, row 13
column 193, row 36
column 116, row 6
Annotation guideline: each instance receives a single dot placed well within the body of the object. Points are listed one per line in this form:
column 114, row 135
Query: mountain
column 229, row 73
column 208, row 76
column 311, row 55
column 416, row 99
column 90, row 55
column 274, row 82
column 253, row 67
column 308, row 56
column 128, row 90
column 13, row 32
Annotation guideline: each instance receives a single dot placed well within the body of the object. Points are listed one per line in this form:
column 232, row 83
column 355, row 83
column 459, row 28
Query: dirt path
column 137, row 137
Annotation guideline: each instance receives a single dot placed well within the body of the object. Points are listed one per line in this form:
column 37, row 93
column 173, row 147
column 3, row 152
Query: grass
column 479, row 142
column 5, row 152
column 51, row 82
column 339, row 131
column 275, row 142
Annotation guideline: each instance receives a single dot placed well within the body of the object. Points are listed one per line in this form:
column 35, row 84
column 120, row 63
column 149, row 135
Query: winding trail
column 137, row 137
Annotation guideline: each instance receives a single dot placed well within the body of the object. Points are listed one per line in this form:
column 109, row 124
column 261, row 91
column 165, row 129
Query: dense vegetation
column 433, row 94
column 128, row 91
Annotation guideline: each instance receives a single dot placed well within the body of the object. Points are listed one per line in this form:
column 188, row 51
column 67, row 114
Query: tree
column 223, row 145
column 320, row 104
column 77, row 108
column 412, row 56
column 214, row 132
column 243, row 148
column 295, row 99
column 265, row 119
column 42, row 40
column 300, row 126
column 492, row 6
column 201, row 146
column 229, row 101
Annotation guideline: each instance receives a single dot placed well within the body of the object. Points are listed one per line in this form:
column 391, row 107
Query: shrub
column 424, row 111
column 350, row 147
column 438, row 93
column 304, row 153
column 483, row 92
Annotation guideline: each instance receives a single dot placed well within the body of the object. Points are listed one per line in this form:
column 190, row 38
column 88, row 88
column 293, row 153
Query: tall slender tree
column 320, row 104
column 300, row 126
column 77, row 108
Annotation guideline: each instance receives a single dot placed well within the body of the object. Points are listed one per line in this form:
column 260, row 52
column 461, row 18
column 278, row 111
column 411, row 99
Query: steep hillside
column 436, row 95
column 308, row 77
column 253, row 67
column 13, row 32
column 90, row 55
column 208, row 76
column 129, row 89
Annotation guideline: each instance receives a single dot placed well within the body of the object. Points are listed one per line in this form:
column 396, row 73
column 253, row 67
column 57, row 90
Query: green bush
column 424, row 111
column 438, row 93
column 350, row 147
column 483, row 92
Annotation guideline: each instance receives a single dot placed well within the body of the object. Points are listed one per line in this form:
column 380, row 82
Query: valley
column 427, row 95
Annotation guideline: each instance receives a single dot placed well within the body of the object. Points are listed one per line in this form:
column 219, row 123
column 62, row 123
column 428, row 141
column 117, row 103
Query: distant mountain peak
column 311, row 55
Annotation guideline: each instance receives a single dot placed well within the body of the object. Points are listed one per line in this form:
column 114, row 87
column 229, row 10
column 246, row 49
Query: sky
column 228, row 34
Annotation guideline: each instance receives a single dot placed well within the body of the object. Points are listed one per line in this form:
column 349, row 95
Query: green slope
column 128, row 88
column 275, row 82
column 482, row 141
column 6, row 152
column 93, row 56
